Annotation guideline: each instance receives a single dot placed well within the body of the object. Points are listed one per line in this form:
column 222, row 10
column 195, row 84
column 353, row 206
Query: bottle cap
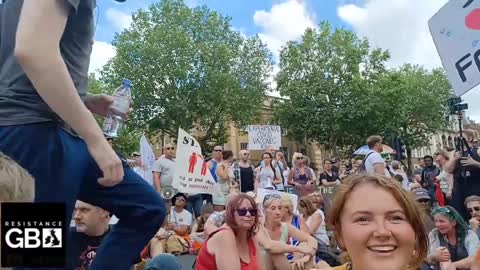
column 127, row 83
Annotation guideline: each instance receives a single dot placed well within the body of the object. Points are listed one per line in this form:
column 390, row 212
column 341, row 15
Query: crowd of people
column 54, row 151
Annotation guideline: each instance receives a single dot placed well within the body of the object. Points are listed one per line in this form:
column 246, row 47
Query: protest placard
column 455, row 29
column 191, row 171
column 260, row 137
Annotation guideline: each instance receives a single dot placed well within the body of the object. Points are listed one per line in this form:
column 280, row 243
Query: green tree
column 326, row 77
column 416, row 102
column 190, row 69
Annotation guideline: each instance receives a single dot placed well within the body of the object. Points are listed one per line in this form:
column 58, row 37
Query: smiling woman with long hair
column 452, row 241
column 378, row 224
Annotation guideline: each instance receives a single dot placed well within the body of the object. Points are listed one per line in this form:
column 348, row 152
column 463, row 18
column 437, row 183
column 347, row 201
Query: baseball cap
column 421, row 194
column 135, row 154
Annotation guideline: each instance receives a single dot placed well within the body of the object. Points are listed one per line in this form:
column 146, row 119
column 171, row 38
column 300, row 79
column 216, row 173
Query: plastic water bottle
column 121, row 104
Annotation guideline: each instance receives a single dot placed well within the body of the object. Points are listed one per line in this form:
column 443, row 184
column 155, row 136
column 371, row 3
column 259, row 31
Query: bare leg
column 156, row 247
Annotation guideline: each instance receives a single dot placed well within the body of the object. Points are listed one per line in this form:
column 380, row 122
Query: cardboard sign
column 261, row 137
column 455, row 29
column 191, row 171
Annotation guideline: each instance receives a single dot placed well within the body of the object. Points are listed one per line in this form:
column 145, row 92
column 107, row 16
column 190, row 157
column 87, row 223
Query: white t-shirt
column 179, row 219
column 321, row 232
column 372, row 159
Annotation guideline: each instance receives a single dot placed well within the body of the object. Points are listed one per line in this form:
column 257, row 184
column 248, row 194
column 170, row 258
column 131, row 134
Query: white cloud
column 119, row 19
column 284, row 22
column 401, row 26
column 101, row 53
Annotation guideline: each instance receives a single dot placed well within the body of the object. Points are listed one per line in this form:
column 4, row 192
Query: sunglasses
column 473, row 209
column 246, row 154
column 170, row 148
column 218, row 150
column 270, row 196
column 243, row 212
column 424, row 201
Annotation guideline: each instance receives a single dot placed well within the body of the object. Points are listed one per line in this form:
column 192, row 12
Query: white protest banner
column 148, row 157
column 455, row 29
column 191, row 171
column 261, row 193
column 261, row 137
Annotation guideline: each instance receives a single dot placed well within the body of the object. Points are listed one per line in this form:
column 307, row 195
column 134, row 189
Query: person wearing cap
column 423, row 198
column 47, row 124
column 180, row 220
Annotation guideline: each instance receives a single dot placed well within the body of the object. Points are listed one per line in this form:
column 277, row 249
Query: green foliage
column 326, row 77
column 340, row 92
column 190, row 70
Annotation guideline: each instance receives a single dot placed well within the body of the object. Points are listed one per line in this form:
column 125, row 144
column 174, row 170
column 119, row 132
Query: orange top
column 206, row 261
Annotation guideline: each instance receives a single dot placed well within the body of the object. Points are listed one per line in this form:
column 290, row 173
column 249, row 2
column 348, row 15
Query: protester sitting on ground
column 423, row 198
column 198, row 233
column 91, row 227
column 233, row 240
column 301, row 176
column 452, row 240
column 315, row 221
column 267, row 176
column 280, row 231
column 179, row 219
column 16, row 184
column 472, row 203
column 217, row 218
column 378, row 224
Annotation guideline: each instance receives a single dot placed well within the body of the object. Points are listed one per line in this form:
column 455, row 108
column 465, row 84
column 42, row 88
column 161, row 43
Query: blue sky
column 400, row 26
column 241, row 12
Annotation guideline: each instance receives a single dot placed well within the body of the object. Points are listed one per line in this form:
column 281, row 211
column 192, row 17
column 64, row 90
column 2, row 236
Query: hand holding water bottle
column 119, row 109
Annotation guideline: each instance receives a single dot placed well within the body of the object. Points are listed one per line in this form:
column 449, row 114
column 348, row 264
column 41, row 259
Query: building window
column 284, row 132
column 157, row 145
column 243, row 146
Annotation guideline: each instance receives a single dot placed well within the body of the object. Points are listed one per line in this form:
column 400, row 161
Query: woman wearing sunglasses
column 233, row 240
column 378, row 224
column 301, row 176
column 277, row 230
column 452, row 243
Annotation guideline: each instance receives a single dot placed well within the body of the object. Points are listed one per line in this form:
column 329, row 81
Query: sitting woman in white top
column 314, row 219
column 280, row 231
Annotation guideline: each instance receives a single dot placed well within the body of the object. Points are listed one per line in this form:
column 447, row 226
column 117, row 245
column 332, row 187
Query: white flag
column 191, row 171
column 148, row 157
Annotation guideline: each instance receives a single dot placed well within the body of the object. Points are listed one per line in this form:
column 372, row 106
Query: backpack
column 363, row 168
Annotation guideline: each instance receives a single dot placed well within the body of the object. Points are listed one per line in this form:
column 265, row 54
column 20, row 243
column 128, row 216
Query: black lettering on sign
column 468, row 3
column 187, row 140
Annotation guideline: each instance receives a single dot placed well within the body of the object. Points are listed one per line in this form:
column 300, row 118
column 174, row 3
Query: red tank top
column 206, row 261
